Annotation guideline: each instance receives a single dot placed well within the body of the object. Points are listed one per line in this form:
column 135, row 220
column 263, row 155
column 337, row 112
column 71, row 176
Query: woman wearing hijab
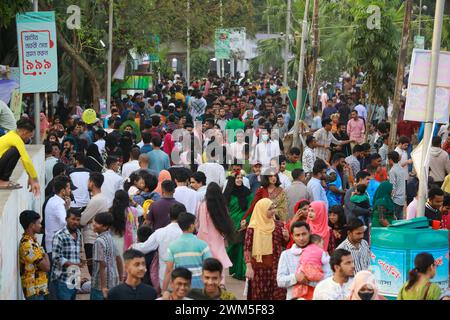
column 301, row 210
column 168, row 146
column 318, row 221
column 44, row 125
column 163, row 176
column 364, row 287
column 270, row 188
column 94, row 160
column 238, row 199
column 263, row 245
column 383, row 205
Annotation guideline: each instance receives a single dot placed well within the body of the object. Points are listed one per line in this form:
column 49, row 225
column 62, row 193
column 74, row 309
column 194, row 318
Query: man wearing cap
column 355, row 243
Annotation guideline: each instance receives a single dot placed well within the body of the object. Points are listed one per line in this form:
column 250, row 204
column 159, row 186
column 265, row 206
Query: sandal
column 11, row 186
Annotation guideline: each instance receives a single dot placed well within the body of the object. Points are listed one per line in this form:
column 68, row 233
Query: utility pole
column 301, row 70
column 401, row 70
column 37, row 100
column 110, row 48
column 429, row 116
column 188, row 45
column 315, row 52
column 268, row 17
column 286, row 46
column 222, row 61
column 420, row 16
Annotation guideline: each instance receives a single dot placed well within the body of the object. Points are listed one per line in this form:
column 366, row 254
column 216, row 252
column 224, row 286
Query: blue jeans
column 36, row 297
column 63, row 292
column 96, row 294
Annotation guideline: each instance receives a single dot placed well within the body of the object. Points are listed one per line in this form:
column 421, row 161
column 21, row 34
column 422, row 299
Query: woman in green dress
column 238, row 197
column 383, row 205
column 419, row 286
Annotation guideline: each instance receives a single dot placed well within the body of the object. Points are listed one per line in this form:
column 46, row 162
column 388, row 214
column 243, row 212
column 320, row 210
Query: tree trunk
column 74, row 79
column 400, row 71
column 78, row 59
column 315, row 51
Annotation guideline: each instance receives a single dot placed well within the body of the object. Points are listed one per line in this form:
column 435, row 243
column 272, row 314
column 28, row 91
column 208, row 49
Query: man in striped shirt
column 187, row 252
column 355, row 243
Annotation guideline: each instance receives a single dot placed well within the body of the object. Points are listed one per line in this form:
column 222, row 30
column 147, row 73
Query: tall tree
column 401, row 70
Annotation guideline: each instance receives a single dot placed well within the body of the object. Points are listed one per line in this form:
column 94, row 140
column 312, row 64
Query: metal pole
column 188, row 46
column 286, row 47
column 221, row 73
column 110, row 48
column 37, row 100
column 420, row 16
column 301, row 69
column 435, row 51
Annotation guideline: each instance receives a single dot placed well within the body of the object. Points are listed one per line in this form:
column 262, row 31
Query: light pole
column 429, row 117
column 286, row 47
column 222, row 61
column 110, row 48
column 420, row 16
column 188, row 46
column 301, row 69
column 37, row 100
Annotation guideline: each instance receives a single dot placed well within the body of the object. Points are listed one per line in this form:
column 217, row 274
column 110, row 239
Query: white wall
column 12, row 203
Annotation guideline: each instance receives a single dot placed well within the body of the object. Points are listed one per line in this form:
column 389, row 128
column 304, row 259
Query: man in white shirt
column 132, row 165
column 113, row 181
column 100, row 142
column 97, row 204
column 80, row 178
column 403, row 143
column 284, row 180
column 309, row 157
column 213, row 171
column 198, row 183
column 266, row 149
column 287, row 275
column 362, row 111
column 185, row 195
column 50, row 160
column 337, row 287
column 237, row 147
column 160, row 240
column 55, row 210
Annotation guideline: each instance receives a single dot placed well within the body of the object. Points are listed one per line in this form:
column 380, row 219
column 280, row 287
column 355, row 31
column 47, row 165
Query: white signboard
column 416, row 100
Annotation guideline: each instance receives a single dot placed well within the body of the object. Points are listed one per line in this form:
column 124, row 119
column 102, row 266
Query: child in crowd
column 360, row 197
column 314, row 261
column 107, row 264
column 134, row 185
column 336, row 222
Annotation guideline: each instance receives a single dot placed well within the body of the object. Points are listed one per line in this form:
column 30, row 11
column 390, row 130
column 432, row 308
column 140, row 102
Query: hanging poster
column 38, row 59
column 415, row 108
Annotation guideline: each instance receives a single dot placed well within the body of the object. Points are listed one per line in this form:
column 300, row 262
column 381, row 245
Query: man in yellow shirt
column 34, row 262
column 12, row 148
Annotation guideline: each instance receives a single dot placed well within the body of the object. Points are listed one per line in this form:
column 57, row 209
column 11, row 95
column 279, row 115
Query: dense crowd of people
column 179, row 187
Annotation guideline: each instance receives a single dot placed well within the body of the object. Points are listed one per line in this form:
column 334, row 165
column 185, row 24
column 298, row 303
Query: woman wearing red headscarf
column 301, row 210
column 318, row 221
column 168, row 146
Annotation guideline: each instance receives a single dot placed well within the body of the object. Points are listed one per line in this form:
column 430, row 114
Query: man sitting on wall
column 12, row 147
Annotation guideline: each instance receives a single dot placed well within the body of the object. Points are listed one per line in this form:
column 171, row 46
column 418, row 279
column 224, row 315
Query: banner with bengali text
column 38, row 59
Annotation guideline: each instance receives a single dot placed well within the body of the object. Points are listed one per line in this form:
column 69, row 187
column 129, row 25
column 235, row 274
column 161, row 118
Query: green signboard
column 222, row 44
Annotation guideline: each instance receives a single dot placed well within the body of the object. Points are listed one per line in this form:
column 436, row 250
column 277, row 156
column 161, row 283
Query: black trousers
column 88, row 250
column 8, row 162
